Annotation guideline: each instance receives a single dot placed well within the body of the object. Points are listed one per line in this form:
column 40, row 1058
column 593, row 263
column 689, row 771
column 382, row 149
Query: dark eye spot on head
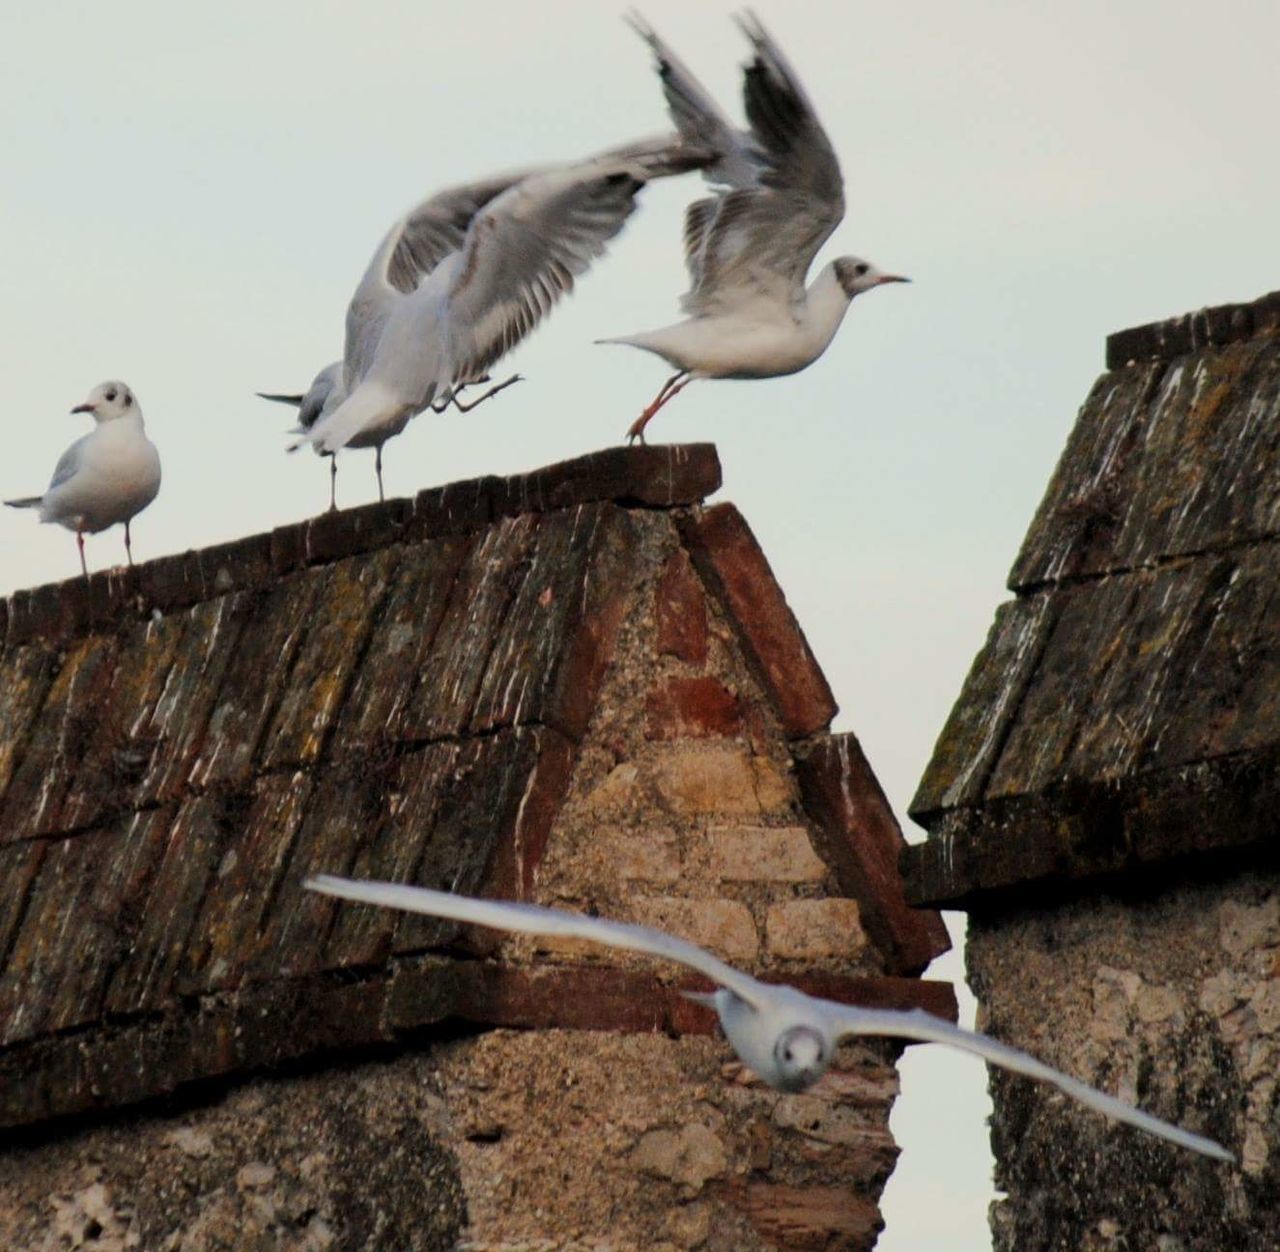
column 128, row 399
column 861, row 268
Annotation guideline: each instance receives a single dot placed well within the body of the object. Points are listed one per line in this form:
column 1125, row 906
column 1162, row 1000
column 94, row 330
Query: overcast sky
column 191, row 194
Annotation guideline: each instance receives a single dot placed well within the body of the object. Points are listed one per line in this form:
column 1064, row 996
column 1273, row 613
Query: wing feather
column 534, row 919
column 917, row 1024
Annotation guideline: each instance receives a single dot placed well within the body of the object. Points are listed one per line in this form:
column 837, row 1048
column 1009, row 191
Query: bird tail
column 366, row 406
column 27, row 502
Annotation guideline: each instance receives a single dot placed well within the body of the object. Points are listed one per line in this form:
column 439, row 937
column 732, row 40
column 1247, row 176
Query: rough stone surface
column 358, row 1158
column 761, row 853
column 723, row 926
column 458, row 690
column 815, row 930
column 1169, row 1001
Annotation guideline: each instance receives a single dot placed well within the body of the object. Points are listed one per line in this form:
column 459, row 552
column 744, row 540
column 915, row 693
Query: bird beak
column 296, row 401
column 85, row 408
column 891, row 278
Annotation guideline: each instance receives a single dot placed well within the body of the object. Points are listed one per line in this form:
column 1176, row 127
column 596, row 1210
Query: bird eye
column 861, row 268
column 111, row 395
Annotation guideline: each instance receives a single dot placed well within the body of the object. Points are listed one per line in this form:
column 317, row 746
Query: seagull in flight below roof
column 467, row 275
column 786, row 1036
column 778, row 197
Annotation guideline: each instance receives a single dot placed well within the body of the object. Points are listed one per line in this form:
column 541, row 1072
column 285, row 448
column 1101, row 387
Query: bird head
column 856, row 275
column 108, row 401
column 801, row 1056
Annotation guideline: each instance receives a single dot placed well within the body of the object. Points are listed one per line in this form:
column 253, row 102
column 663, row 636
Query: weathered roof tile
column 1144, row 642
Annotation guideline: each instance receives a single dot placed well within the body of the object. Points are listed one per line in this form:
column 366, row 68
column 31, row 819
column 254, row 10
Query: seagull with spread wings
column 777, row 197
column 785, row 1036
column 468, row 274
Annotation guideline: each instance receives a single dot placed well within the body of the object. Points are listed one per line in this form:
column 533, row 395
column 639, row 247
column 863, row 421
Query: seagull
column 108, row 476
column 328, row 389
column 469, row 273
column 785, row 1036
column 778, row 196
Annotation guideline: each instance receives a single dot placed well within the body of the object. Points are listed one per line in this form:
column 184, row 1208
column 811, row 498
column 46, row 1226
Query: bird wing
column 408, row 253
column 526, row 247
column 696, row 115
column 69, row 463
column 759, row 237
column 917, row 1024
column 534, row 919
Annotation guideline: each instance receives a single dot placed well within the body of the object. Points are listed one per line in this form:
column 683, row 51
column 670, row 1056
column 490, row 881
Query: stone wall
column 1170, row 999
column 686, row 809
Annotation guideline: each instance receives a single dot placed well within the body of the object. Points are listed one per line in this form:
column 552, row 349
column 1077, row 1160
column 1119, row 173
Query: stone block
column 688, row 1157
column 723, row 926
column 680, row 607
column 696, row 781
column 651, row 856
column 763, row 854
column 815, row 930
column 685, row 708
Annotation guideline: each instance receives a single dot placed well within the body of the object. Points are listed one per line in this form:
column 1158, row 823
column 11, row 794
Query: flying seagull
column 107, row 476
column 468, row 274
column 778, row 196
column 787, row 1037
column 328, row 389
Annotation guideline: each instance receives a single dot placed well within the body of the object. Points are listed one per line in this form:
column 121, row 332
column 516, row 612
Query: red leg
column 84, row 569
column 128, row 545
column 333, row 482
column 672, row 387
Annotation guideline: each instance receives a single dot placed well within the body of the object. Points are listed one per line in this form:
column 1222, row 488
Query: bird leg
column 493, row 391
column 84, row 569
column 377, row 465
column 670, row 388
column 128, row 546
column 333, row 482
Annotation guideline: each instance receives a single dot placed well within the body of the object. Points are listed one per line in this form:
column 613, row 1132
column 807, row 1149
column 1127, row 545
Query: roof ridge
column 656, row 476
column 1214, row 326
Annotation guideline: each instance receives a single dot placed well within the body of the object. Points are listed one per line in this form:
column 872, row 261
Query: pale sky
column 191, row 194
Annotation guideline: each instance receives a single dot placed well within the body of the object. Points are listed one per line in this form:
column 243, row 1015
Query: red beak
column 891, row 278
column 83, row 408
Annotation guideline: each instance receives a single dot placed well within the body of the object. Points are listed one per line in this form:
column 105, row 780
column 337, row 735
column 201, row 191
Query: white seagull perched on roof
column 779, row 196
column 107, row 476
column 329, row 389
column 785, row 1036
column 468, row 274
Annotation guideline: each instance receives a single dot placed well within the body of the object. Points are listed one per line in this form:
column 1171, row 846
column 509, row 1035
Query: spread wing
column 411, row 249
column 917, row 1024
column 782, row 194
column 534, row 919
column 527, row 246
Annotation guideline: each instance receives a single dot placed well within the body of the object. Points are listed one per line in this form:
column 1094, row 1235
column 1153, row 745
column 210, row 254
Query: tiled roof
column 396, row 692
column 1126, row 707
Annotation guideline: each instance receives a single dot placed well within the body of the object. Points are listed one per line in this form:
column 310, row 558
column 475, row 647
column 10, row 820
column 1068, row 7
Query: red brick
column 731, row 563
column 681, row 609
column 858, row 836
column 684, row 708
